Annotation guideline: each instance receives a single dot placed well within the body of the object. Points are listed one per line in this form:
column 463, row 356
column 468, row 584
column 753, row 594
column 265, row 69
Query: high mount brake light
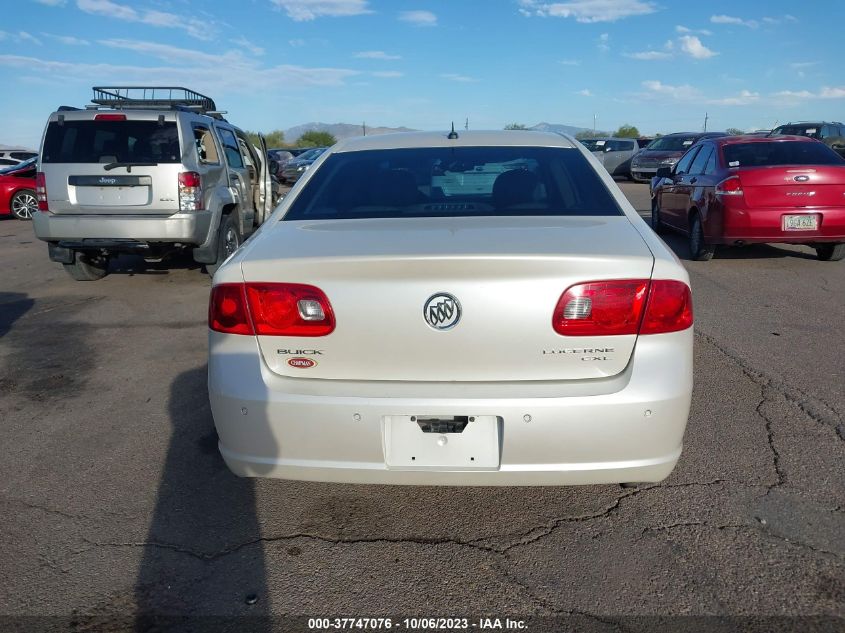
column 623, row 306
column 731, row 186
column 110, row 117
column 270, row 309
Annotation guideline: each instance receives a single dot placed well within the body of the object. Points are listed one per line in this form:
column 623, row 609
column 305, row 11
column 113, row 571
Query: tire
column 228, row 241
column 830, row 252
column 23, row 204
column 85, row 268
column 700, row 250
column 656, row 224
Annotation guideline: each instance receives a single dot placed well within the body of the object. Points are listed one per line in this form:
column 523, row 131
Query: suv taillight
column 270, row 309
column 41, row 192
column 190, row 191
column 729, row 187
column 623, row 306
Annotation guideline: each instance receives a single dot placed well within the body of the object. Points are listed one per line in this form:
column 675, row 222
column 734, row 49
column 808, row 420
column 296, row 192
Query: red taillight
column 270, row 309
column 669, row 307
column 729, row 187
column 110, row 117
column 623, row 306
column 227, row 311
column 601, row 308
column 190, row 192
column 41, row 191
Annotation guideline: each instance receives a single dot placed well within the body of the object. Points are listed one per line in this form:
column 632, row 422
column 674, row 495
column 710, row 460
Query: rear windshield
column 813, row 131
column 764, row 154
column 111, row 141
column 453, row 182
column 672, row 143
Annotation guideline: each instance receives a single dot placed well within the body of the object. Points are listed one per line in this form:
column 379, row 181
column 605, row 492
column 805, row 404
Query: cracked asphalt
column 116, row 505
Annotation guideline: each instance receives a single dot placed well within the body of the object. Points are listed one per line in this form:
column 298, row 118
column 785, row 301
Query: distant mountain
column 2, row 147
column 558, row 128
column 339, row 130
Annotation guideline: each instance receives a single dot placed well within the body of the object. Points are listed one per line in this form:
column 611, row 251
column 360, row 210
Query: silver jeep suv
column 147, row 171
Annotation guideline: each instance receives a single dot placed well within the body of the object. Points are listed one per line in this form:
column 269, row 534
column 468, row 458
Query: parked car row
column 17, row 190
column 737, row 190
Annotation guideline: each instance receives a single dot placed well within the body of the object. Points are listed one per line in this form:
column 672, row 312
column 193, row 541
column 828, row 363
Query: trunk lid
column 506, row 273
column 793, row 186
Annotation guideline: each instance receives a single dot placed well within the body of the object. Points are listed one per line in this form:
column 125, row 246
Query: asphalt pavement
column 116, row 505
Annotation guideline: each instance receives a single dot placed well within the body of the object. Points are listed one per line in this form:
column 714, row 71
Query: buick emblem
column 801, row 178
column 442, row 311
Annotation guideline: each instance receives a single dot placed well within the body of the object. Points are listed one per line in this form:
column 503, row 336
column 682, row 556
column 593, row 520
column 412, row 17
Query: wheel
column 87, row 268
column 656, row 224
column 699, row 250
column 24, row 204
column 228, row 241
column 830, row 252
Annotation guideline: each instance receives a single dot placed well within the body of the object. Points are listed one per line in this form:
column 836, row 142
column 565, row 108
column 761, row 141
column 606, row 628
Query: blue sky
column 659, row 65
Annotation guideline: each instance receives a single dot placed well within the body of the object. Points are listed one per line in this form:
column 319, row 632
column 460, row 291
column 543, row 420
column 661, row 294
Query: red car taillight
column 190, row 191
column 270, row 309
column 41, row 191
column 623, row 306
column 729, row 187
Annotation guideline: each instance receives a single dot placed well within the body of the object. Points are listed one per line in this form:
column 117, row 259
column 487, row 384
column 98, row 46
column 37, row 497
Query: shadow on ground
column 13, row 305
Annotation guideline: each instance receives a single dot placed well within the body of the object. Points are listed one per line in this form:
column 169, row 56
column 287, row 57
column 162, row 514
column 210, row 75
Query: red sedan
column 17, row 190
column 747, row 189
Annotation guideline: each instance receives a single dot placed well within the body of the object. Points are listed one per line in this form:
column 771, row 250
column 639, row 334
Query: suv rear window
column 811, row 130
column 111, row 141
column 780, row 153
column 454, row 182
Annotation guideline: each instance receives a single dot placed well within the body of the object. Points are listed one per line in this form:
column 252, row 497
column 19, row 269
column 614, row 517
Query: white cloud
column 388, row 74
column 199, row 29
column 570, row 62
column 168, row 53
column 745, row 97
column 692, row 46
column 306, row 10
column 603, row 45
column 458, row 77
column 826, row 92
column 649, row 55
column 297, row 43
column 419, row 18
column 21, row 37
column 245, row 43
column 799, row 65
column 376, row 55
column 729, row 19
column 588, row 10
column 585, row 92
column 679, row 93
column 683, row 29
column 67, row 39
column 52, row 3
column 194, row 68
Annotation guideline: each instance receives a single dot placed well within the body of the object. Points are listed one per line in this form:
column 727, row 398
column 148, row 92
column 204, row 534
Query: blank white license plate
column 800, row 223
column 407, row 446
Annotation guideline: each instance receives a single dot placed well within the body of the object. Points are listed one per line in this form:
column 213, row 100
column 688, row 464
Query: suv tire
column 830, row 252
column 228, row 241
column 84, row 268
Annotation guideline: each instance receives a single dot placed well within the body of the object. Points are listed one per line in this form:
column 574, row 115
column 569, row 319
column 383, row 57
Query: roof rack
column 153, row 97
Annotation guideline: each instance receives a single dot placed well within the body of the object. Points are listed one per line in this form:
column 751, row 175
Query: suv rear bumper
column 187, row 228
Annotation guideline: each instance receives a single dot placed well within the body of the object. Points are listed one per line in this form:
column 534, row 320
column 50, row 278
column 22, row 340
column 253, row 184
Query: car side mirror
column 274, row 166
column 608, row 149
column 664, row 172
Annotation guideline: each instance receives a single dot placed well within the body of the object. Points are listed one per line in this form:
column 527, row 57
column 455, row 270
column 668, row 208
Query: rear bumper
column 765, row 225
column 329, row 430
column 188, row 228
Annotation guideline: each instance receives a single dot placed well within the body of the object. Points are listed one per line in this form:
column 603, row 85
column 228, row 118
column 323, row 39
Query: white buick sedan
column 481, row 308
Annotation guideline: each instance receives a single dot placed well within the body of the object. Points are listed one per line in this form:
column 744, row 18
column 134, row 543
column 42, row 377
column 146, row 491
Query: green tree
column 516, row 126
column 590, row 134
column 734, row 131
column 627, row 131
column 274, row 139
column 314, row 138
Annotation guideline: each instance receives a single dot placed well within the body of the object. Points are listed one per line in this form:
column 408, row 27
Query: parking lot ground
column 116, row 505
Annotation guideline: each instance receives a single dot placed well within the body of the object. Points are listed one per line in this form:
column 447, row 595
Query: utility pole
column 705, row 121
column 364, row 126
column 466, row 124
column 594, row 124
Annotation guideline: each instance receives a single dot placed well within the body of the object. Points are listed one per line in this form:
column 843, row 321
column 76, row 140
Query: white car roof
column 523, row 138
